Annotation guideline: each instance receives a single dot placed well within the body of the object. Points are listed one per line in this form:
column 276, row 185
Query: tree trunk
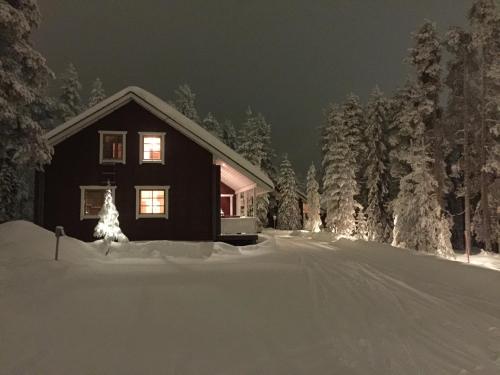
column 485, row 207
column 466, row 151
column 439, row 160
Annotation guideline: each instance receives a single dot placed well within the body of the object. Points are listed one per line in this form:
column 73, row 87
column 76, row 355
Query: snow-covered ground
column 289, row 305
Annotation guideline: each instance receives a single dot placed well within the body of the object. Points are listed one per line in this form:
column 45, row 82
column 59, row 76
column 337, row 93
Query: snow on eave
column 172, row 117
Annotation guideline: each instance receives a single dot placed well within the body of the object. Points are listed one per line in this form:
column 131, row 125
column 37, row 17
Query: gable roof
column 172, row 117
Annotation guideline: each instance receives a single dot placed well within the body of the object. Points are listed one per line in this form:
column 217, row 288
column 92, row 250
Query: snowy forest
column 417, row 168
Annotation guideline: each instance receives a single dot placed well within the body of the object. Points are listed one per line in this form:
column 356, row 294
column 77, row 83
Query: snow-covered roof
column 172, row 117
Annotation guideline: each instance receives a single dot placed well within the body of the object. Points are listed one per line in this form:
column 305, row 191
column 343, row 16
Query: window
column 112, row 146
column 91, row 200
column 152, row 148
column 151, row 202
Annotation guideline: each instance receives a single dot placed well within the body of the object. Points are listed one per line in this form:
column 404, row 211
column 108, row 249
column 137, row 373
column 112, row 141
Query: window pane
column 158, row 194
column 93, row 200
column 112, row 147
column 146, row 194
column 152, row 147
column 152, row 202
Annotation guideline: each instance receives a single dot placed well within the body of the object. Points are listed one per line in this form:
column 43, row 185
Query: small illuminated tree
column 313, row 199
column 108, row 227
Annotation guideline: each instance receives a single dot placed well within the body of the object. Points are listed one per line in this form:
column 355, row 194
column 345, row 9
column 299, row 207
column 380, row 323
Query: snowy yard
column 289, row 305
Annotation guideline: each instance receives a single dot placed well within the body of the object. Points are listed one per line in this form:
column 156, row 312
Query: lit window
column 152, row 201
column 91, row 200
column 152, row 147
column 112, row 146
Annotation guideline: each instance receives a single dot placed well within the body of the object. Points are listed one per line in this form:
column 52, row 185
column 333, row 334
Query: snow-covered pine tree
column 288, row 200
column 425, row 57
column 108, row 226
column 460, row 110
column 264, row 133
column 254, row 143
column 354, row 123
column 361, row 224
column 249, row 143
column 313, row 222
column 24, row 75
column 185, row 102
column 211, row 124
column 339, row 179
column 70, row 100
column 377, row 172
column 484, row 18
column 229, row 134
column 262, row 205
column 418, row 221
column 97, row 93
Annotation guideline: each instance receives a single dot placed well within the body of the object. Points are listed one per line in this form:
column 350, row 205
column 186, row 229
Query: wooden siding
column 188, row 170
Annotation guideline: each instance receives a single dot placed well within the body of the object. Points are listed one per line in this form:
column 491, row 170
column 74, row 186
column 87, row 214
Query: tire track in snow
column 425, row 324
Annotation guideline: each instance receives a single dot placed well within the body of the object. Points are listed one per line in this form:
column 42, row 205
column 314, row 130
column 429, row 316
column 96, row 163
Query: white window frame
column 138, row 215
column 82, row 198
column 141, row 147
column 101, row 144
column 230, row 202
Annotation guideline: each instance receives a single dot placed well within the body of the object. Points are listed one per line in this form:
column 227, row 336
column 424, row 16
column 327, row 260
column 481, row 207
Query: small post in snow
column 58, row 232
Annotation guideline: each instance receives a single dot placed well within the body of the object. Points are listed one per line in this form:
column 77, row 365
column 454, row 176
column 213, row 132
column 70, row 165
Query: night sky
column 286, row 58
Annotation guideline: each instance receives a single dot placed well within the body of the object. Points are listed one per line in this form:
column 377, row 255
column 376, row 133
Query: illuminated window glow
column 152, row 201
column 152, row 147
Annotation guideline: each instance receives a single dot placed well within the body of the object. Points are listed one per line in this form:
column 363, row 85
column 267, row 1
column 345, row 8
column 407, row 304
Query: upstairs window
column 152, row 148
column 152, row 202
column 91, row 200
column 112, row 146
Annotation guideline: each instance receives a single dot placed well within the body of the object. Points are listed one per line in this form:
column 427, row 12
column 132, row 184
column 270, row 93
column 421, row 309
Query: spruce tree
column 288, row 200
column 339, row 180
column 377, row 172
column 185, row 102
column 254, row 143
column 229, row 134
column 460, row 110
column 313, row 222
column 484, row 18
column 419, row 223
column 425, row 56
column 24, row 76
column 70, row 99
column 108, row 226
column 211, row 124
column 97, row 93
column 249, row 143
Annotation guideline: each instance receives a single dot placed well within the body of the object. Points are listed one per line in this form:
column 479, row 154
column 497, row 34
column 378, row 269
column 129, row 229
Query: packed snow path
column 304, row 307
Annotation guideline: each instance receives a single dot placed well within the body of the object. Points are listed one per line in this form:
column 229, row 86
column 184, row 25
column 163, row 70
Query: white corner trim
column 141, row 147
column 101, row 136
column 82, row 198
column 138, row 189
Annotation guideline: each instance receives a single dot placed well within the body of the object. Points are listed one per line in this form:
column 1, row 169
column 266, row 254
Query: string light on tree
column 108, row 226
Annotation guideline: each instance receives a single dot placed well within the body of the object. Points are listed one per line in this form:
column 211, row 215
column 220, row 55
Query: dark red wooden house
column 170, row 178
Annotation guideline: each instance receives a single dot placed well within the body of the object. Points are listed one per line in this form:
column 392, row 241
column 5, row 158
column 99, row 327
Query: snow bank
column 26, row 242
column 310, row 307
column 481, row 259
